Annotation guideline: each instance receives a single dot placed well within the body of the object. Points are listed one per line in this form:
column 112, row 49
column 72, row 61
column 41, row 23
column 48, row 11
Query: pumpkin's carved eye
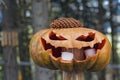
column 100, row 45
column 89, row 37
column 53, row 36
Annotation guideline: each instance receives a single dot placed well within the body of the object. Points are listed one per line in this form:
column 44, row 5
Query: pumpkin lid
column 65, row 23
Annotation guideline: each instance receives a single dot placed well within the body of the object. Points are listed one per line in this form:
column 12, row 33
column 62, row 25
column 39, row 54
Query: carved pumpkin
column 70, row 48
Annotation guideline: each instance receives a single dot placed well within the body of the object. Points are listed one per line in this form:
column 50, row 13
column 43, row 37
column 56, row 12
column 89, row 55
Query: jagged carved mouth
column 73, row 53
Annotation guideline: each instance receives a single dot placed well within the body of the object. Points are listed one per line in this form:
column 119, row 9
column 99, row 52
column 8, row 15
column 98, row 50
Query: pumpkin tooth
column 78, row 53
column 67, row 56
column 91, row 45
column 90, row 52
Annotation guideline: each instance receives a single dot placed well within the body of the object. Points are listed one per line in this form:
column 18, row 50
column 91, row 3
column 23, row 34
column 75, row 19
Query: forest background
column 20, row 19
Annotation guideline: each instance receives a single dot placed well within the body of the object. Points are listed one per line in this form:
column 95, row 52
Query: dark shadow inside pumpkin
column 53, row 36
column 79, row 54
column 88, row 38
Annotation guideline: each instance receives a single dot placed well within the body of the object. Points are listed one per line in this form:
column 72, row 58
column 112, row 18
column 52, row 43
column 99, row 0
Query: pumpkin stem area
column 73, row 75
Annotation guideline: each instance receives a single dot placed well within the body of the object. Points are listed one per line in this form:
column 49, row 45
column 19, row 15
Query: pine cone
column 65, row 23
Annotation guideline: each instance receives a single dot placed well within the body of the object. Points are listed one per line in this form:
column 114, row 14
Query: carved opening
column 88, row 38
column 56, row 52
column 53, row 36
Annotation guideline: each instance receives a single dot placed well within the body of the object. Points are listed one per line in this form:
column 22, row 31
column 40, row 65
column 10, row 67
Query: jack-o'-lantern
column 70, row 47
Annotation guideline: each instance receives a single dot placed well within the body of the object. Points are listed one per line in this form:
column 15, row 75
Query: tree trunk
column 9, row 15
column 40, row 21
column 10, row 66
column 9, row 50
column 24, row 55
column 40, row 14
column 115, row 58
column 101, row 15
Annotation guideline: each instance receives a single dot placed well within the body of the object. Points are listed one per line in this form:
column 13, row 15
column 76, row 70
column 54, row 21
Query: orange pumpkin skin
column 46, row 47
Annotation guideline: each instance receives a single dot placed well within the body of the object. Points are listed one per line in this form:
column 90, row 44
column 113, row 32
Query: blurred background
column 20, row 19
